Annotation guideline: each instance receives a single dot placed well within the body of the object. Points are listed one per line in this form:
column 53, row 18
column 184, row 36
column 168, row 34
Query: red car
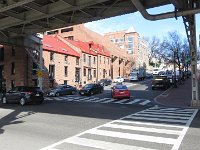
column 120, row 91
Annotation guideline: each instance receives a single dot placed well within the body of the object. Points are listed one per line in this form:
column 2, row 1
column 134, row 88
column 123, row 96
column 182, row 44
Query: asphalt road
column 71, row 125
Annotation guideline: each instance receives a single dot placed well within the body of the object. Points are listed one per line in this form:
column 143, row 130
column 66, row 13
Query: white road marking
column 164, row 116
column 172, row 114
column 145, row 102
column 134, row 101
column 102, row 144
column 180, row 138
column 166, row 131
column 121, row 101
column 131, row 125
column 129, row 136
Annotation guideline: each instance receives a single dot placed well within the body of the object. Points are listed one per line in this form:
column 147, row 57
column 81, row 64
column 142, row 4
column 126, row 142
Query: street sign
column 39, row 73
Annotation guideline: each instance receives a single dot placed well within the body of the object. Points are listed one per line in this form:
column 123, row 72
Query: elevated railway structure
column 20, row 20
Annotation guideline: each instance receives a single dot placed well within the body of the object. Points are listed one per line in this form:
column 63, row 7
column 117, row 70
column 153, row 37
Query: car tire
column 91, row 93
column 22, row 101
column 73, row 92
column 153, row 88
column 4, row 100
column 57, row 94
column 101, row 91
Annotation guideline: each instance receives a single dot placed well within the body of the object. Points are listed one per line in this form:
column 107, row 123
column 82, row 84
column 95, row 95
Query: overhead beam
column 14, row 5
column 53, row 9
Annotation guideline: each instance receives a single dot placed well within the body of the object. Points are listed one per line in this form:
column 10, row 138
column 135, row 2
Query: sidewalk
column 177, row 97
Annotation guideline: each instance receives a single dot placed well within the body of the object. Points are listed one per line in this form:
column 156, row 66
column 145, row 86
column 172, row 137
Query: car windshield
column 121, row 87
column 102, row 80
column 31, row 89
column 155, row 70
column 88, row 86
column 118, row 77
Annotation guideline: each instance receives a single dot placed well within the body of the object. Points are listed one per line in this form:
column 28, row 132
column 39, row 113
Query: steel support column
column 190, row 26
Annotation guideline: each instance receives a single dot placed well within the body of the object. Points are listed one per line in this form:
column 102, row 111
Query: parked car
column 23, row 95
column 62, row 90
column 119, row 79
column 160, row 82
column 120, row 91
column 91, row 89
column 149, row 75
column 105, row 82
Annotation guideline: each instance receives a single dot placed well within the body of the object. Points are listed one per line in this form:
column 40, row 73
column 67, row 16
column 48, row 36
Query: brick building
column 131, row 42
column 119, row 59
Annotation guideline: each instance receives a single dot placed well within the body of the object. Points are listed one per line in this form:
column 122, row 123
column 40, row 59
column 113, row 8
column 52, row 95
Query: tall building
column 131, row 42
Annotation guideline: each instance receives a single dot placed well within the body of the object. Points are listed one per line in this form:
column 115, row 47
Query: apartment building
column 119, row 59
column 131, row 42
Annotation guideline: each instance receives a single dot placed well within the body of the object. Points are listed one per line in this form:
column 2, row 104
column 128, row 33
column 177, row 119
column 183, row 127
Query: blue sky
column 145, row 28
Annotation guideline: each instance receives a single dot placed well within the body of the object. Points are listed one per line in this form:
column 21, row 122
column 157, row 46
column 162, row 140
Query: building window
column 77, row 61
column 51, row 56
column 2, row 54
column 94, row 73
column 65, row 59
column 89, row 74
column 65, row 81
column 66, row 71
column 84, row 57
column 104, row 60
column 35, row 82
column 12, row 84
column 99, row 59
column 94, row 60
column 70, row 37
column 108, row 61
column 84, row 72
column 130, row 39
column 104, row 73
column 66, row 29
column 34, row 69
column 12, row 68
column 51, row 71
column 52, row 32
column 13, row 51
column 77, row 75
column 89, row 61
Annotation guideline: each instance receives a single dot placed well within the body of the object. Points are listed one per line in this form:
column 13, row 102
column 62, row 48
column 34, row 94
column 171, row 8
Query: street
column 73, row 124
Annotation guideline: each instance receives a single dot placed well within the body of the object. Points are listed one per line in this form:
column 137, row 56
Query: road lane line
column 134, row 101
column 145, row 102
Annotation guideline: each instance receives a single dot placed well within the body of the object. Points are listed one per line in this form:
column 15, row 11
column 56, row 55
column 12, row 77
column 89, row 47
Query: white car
column 119, row 79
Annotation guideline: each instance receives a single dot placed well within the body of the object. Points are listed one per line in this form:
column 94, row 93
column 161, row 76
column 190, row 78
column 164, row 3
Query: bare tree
column 154, row 48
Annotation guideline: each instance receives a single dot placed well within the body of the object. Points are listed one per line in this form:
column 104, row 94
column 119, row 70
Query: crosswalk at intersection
column 101, row 100
column 151, row 129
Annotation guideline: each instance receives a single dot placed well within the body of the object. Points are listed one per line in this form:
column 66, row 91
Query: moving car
column 105, row 82
column 23, row 95
column 160, row 82
column 120, row 91
column 62, row 90
column 91, row 89
column 119, row 79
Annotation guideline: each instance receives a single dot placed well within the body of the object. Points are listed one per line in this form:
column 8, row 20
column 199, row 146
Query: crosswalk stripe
column 107, row 101
column 145, row 102
column 143, row 129
column 180, row 112
column 164, row 116
column 159, row 119
column 134, row 101
column 150, row 124
column 121, row 101
column 146, row 138
column 172, row 114
column 102, row 144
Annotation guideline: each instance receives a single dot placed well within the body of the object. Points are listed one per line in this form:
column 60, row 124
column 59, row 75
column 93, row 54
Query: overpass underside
column 19, row 18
